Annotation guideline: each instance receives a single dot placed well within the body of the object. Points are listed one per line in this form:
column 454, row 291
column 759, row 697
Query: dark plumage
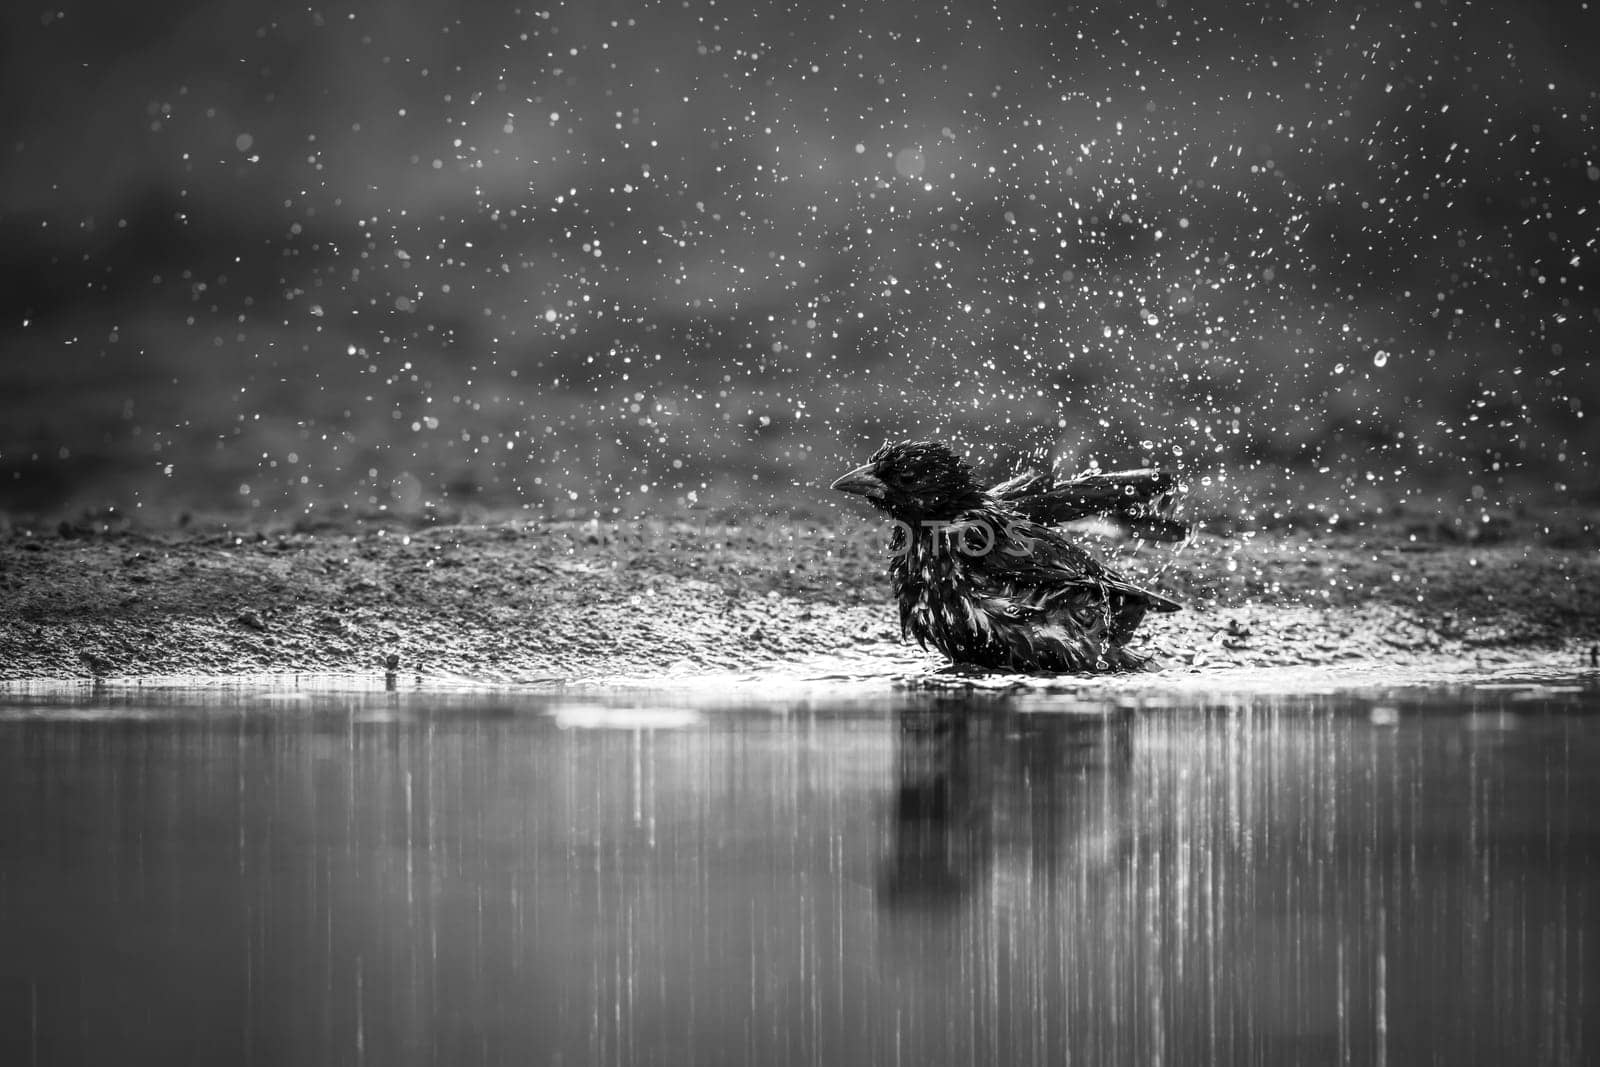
column 982, row 576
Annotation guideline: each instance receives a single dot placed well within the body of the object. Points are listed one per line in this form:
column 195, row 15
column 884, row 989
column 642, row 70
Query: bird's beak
column 864, row 481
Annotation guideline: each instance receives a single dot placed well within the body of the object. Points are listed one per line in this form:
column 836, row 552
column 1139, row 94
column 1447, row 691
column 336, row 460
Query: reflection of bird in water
column 975, row 783
column 983, row 575
column 937, row 841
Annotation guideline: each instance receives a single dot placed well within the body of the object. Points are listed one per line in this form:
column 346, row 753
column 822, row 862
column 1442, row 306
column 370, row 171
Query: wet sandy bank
column 520, row 602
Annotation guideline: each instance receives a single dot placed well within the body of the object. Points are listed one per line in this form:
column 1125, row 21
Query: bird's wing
column 1139, row 500
column 1032, row 562
column 1021, row 485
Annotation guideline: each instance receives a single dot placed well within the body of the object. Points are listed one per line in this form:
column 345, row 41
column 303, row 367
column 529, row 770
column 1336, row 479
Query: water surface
column 254, row 877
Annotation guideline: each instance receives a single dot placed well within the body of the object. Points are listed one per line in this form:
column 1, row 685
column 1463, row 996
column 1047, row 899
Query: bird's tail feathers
column 1150, row 601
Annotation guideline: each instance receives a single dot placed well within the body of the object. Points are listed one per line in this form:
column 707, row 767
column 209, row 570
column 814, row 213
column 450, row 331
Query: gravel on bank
column 519, row 602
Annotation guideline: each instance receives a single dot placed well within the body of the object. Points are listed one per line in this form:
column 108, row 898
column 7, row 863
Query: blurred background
column 604, row 257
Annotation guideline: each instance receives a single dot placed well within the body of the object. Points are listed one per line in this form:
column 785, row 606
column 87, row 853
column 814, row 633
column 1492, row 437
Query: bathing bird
column 984, row 575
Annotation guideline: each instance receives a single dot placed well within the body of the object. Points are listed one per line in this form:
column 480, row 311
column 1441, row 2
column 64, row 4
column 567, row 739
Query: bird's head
column 914, row 480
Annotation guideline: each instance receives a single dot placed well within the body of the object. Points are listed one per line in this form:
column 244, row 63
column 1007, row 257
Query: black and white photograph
column 851, row 533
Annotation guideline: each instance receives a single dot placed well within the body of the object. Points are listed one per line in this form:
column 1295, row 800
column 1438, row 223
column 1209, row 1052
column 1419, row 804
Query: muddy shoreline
column 520, row 602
